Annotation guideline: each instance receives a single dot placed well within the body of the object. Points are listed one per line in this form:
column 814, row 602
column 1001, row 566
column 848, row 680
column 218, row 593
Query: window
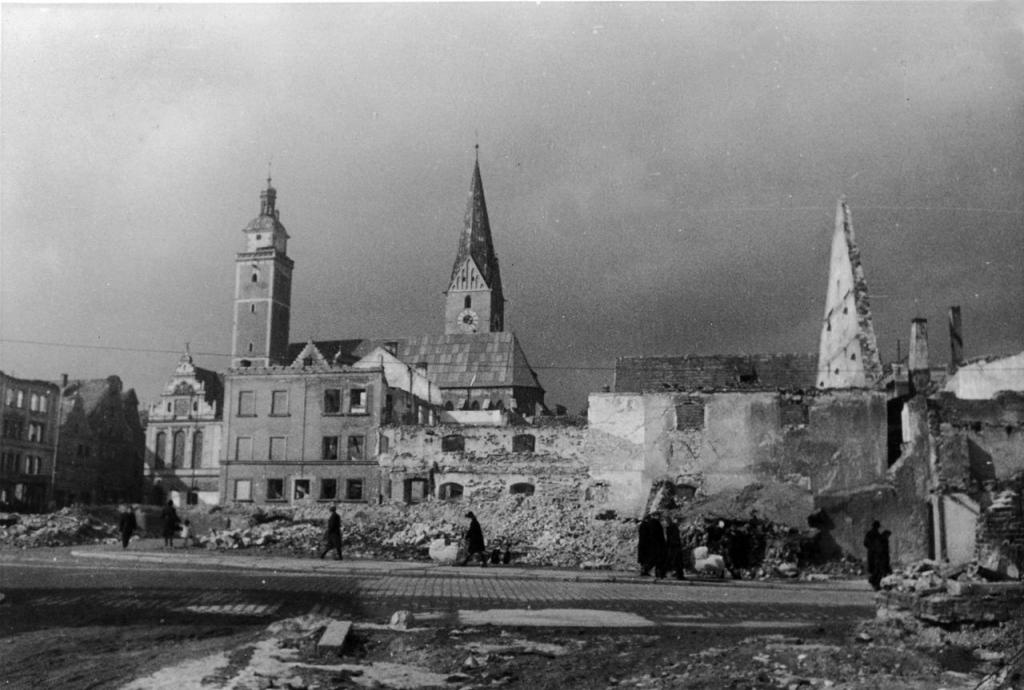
column 357, row 400
column 356, row 447
column 523, row 443
column 453, row 443
column 178, row 449
column 690, row 415
column 35, row 432
column 243, row 448
column 330, row 448
column 275, row 489
column 246, row 403
column 160, row 451
column 255, row 277
column 468, row 302
column 353, row 489
column 328, row 489
column 415, row 490
column 243, row 490
column 9, row 401
column 300, row 489
column 385, row 444
column 279, row 403
column 197, row 449
column 13, row 428
column 277, row 448
column 33, row 464
column 33, row 402
column 332, row 401
column 19, row 399
column 521, row 489
column 450, row 491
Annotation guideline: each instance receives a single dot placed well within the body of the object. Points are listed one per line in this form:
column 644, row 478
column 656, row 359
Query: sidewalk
column 153, row 551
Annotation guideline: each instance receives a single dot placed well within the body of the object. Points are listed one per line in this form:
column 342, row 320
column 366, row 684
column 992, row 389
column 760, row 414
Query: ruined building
column 29, row 416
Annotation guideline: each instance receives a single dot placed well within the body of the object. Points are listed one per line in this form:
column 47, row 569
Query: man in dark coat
column 126, row 525
column 650, row 551
column 171, row 522
column 674, row 561
column 475, row 542
column 878, row 555
column 332, row 537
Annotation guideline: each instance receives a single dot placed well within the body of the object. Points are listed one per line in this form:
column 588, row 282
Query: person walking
column 332, row 536
column 674, row 561
column 650, row 550
column 126, row 525
column 877, row 546
column 474, row 540
column 170, row 523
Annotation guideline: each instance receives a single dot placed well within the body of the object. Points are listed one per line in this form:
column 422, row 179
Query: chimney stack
column 956, row 339
column 917, row 356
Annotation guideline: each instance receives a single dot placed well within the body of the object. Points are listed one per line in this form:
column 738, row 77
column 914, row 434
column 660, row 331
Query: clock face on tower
column 468, row 320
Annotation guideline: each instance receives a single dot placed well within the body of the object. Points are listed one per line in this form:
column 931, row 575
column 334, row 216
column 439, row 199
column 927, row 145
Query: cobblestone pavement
column 100, row 583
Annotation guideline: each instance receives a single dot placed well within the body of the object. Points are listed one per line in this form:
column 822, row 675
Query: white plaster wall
column 982, row 380
column 960, row 515
column 618, row 414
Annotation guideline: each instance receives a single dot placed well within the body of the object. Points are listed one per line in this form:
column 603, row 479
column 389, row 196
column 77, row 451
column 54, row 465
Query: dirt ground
column 893, row 654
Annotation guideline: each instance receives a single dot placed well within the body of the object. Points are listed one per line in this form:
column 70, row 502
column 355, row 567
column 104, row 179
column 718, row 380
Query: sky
column 661, row 178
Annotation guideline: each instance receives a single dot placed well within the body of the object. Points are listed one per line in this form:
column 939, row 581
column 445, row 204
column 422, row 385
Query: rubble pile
column 950, row 595
column 66, row 527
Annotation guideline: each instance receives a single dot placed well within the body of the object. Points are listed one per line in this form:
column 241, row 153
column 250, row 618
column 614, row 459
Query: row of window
column 355, row 402
column 13, row 463
column 302, row 489
column 37, row 402
column 180, row 406
column 453, row 443
column 330, row 449
column 179, row 452
column 15, row 429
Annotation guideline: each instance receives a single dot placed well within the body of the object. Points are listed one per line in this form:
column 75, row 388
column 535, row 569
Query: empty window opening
column 468, row 302
column 330, row 448
column 356, row 447
column 328, row 489
column 275, row 489
column 521, row 489
column 524, row 443
column 301, row 489
column 453, row 443
column 353, row 489
column 450, row 491
column 332, row 401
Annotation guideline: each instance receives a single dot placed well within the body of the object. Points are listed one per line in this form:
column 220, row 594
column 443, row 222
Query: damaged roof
column 715, row 373
column 460, row 360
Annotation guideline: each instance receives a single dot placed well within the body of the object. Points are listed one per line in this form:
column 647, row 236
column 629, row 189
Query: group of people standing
column 660, row 547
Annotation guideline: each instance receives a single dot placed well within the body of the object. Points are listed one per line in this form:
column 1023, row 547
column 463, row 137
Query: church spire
column 474, row 297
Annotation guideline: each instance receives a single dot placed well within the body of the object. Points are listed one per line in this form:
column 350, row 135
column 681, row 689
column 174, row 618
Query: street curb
column 397, row 568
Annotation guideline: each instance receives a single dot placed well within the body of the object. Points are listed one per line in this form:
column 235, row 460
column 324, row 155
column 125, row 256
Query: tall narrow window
column 243, row 448
column 356, row 447
column 160, row 449
column 468, row 302
column 277, row 448
column 178, row 450
column 330, row 448
column 197, row 449
column 279, row 403
column 332, row 401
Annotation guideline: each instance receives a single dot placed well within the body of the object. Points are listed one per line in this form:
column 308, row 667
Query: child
column 186, row 533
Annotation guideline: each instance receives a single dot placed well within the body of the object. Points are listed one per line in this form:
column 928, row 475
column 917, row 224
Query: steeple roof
column 475, row 241
column 269, row 219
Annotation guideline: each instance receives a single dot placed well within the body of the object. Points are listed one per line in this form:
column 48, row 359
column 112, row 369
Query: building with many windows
column 183, row 437
column 27, row 442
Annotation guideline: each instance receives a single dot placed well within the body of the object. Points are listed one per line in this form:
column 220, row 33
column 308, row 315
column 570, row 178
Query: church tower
column 473, row 301
column 263, row 289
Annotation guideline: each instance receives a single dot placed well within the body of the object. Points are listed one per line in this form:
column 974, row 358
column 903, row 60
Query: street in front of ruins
column 97, row 616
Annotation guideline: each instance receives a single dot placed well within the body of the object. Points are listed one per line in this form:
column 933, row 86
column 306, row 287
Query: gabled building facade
column 183, row 437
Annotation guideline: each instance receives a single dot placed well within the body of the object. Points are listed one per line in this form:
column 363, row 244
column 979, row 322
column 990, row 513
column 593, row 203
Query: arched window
column 197, row 449
column 178, row 451
column 521, row 489
column 160, row 449
column 475, row 405
column 468, row 302
column 453, row 443
column 450, row 491
column 524, row 443
column 448, row 405
column 255, row 276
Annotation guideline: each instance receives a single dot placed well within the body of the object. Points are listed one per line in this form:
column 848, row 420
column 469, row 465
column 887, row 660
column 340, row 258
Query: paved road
column 100, row 585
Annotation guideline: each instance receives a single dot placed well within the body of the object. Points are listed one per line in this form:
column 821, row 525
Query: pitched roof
column 475, row 241
column 458, row 360
column 715, row 372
